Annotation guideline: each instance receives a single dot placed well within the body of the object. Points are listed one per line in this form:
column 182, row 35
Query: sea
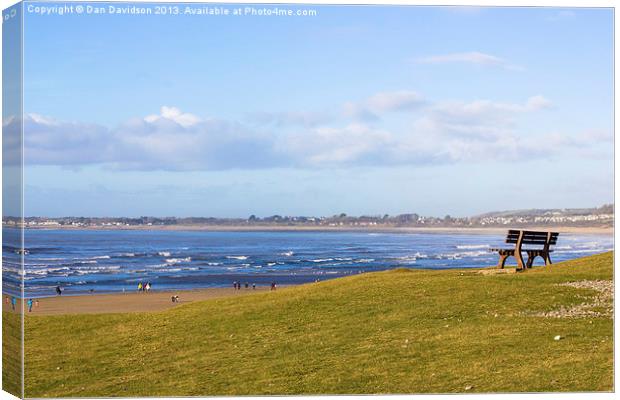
column 109, row 261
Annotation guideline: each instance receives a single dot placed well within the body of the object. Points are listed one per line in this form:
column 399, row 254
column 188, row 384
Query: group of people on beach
column 13, row 302
column 237, row 285
column 144, row 287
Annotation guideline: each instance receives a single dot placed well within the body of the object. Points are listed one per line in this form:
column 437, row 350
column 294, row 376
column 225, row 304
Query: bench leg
column 502, row 260
column 547, row 259
column 530, row 259
column 519, row 257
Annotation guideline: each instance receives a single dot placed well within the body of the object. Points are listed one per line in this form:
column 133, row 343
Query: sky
column 365, row 110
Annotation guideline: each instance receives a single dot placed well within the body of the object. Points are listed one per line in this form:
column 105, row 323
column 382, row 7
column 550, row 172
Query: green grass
column 11, row 353
column 403, row 331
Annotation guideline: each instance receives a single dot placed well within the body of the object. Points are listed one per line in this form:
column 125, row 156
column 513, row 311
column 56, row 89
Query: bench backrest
column 532, row 237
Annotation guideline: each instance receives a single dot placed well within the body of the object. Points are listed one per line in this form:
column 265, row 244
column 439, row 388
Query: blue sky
column 363, row 110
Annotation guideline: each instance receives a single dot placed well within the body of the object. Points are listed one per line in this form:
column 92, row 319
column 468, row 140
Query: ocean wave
column 287, row 253
column 101, row 257
column 590, row 245
column 459, row 255
column 45, row 271
column 178, row 260
column 163, row 253
column 237, row 257
column 472, row 246
column 407, row 260
column 320, row 260
column 364, row 260
column 171, row 270
column 98, row 270
column 579, row 251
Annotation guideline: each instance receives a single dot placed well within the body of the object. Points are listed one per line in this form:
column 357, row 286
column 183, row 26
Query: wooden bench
column 520, row 238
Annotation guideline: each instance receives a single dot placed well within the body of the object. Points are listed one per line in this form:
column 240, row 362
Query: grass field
column 401, row 331
column 11, row 353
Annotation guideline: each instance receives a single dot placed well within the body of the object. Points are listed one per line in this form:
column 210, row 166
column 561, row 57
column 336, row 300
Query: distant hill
column 583, row 217
column 533, row 212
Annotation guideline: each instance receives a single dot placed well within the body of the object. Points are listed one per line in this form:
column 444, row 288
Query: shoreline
column 134, row 301
column 128, row 302
column 602, row 230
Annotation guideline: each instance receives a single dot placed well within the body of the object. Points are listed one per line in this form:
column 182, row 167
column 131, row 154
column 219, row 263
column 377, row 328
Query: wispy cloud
column 438, row 132
column 385, row 102
column 472, row 57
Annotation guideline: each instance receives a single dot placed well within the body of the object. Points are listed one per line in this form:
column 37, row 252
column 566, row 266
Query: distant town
column 583, row 217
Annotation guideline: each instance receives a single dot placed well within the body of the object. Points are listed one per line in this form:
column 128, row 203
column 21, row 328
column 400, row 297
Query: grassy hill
column 401, row 331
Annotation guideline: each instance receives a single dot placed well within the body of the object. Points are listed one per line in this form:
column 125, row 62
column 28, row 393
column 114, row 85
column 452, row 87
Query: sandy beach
column 128, row 302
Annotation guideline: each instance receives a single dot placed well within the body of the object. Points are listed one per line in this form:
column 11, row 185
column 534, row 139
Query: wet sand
column 127, row 302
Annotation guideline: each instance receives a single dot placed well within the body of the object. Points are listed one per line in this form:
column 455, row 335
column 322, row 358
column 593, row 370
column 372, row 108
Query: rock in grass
column 469, row 387
column 558, row 337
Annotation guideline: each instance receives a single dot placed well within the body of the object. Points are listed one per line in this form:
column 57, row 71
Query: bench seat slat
column 495, row 250
column 541, row 236
column 525, row 241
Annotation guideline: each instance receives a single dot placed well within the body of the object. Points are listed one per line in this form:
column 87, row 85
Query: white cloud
column 175, row 115
column 481, row 118
column 472, row 57
column 384, row 102
column 442, row 132
column 537, row 103
column 354, row 143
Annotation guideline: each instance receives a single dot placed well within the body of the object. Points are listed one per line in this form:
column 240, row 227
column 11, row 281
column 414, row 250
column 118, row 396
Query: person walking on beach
column 147, row 287
column 247, row 285
column 58, row 290
column 235, row 284
column 139, row 286
column 30, row 305
column 13, row 302
column 273, row 285
column 254, row 286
